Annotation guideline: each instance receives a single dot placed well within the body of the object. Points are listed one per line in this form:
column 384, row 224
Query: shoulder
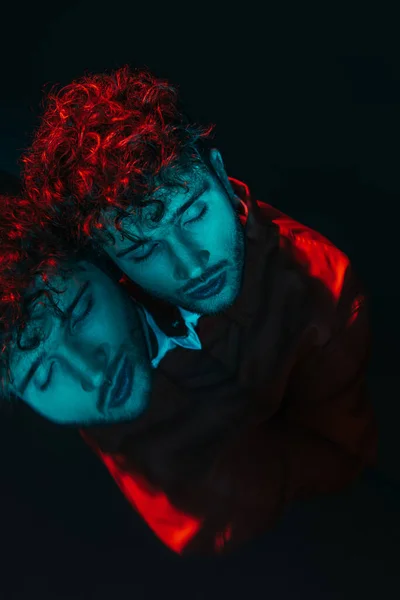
column 311, row 250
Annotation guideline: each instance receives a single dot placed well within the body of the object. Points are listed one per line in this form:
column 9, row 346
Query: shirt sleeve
column 328, row 392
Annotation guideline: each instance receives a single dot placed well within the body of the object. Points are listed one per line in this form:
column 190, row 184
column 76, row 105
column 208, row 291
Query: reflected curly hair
column 109, row 141
column 30, row 252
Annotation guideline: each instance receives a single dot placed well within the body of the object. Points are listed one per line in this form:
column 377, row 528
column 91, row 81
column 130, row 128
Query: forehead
column 171, row 194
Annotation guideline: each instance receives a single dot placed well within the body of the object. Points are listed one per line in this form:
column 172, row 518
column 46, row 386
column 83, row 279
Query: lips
column 213, row 287
column 122, row 388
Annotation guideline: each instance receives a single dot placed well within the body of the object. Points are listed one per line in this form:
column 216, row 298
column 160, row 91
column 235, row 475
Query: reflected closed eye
column 82, row 317
column 46, row 385
column 79, row 319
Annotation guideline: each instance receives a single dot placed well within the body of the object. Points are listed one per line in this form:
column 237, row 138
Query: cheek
column 220, row 234
column 152, row 271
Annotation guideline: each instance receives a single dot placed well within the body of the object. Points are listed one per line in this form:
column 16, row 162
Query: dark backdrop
column 306, row 104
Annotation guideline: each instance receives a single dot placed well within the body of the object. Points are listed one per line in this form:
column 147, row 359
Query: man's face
column 199, row 241
column 103, row 340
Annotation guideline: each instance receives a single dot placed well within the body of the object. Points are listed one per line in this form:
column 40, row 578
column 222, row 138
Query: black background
column 306, row 103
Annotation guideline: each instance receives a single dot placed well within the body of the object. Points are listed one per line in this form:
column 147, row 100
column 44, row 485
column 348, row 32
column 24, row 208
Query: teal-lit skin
column 78, row 354
column 185, row 250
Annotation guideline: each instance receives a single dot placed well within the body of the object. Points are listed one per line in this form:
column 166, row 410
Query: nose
column 190, row 261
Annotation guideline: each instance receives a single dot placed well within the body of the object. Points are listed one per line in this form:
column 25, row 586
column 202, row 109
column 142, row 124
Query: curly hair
column 109, row 141
column 30, row 252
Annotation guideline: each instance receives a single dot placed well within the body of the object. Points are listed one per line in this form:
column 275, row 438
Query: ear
column 219, row 168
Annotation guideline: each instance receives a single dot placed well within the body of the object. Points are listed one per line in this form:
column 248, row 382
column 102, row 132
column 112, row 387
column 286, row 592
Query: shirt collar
column 166, row 343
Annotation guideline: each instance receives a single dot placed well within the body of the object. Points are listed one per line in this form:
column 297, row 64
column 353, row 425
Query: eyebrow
column 175, row 215
column 40, row 358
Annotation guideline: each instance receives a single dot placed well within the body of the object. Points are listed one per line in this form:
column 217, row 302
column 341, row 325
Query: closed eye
column 200, row 216
column 133, row 249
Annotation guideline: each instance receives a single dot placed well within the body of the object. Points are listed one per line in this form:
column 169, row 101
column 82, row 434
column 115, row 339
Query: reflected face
column 91, row 368
column 194, row 256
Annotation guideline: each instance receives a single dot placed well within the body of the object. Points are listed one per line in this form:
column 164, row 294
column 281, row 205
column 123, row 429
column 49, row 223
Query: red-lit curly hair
column 109, row 141
column 29, row 250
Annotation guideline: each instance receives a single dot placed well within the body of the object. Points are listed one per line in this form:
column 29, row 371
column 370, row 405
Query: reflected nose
column 91, row 379
column 92, row 369
column 85, row 363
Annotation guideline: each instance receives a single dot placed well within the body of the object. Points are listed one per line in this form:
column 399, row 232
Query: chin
column 214, row 306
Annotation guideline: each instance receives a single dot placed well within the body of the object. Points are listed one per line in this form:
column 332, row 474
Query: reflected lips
column 123, row 385
column 210, row 289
